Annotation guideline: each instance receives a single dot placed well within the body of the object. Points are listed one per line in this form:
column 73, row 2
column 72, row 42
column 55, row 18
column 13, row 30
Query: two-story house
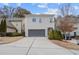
column 37, row 25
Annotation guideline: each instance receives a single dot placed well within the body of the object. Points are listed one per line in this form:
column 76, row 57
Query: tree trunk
column 69, row 37
column 65, row 36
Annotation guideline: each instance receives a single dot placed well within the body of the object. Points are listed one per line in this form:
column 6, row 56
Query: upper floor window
column 40, row 20
column 51, row 20
column 34, row 19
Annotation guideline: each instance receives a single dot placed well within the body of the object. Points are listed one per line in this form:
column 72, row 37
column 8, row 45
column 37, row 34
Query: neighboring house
column 76, row 31
column 10, row 27
column 37, row 25
column 14, row 24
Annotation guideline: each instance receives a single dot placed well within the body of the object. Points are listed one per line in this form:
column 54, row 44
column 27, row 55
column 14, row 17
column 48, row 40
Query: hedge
column 13, row 34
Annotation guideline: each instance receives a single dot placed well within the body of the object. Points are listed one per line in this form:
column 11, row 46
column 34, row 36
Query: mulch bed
column 7, row 40
column 66, row 44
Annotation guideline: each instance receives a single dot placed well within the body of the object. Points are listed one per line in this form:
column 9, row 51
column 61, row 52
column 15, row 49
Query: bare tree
column 7, row 11
column 65, row 9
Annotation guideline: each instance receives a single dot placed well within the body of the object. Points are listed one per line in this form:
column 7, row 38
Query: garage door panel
column 36, row 33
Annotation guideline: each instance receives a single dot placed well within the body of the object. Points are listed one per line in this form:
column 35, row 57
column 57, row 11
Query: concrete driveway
column 35, row 46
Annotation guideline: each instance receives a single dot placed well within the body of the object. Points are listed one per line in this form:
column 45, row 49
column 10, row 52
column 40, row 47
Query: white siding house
column 76, row 31
column 37, row 25
column 15, row 23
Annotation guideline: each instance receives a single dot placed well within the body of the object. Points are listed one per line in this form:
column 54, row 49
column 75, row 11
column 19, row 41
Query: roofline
column 15, row 20
column 11, row 27
column 40, row 15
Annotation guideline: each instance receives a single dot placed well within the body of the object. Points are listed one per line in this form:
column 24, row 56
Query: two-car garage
column 36, row 32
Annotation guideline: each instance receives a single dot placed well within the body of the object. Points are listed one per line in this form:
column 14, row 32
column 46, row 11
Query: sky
column 43, row 8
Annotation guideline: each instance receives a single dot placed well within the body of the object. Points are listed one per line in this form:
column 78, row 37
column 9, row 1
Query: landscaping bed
column 66, row 44
column 6, row 40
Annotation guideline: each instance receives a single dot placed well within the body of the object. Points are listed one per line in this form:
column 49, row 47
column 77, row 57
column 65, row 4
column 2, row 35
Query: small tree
column 4, row 22
column 66, row 26
column 2, row 26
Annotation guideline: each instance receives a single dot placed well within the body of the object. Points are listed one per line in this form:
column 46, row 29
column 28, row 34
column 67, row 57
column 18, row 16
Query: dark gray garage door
column 36, row 33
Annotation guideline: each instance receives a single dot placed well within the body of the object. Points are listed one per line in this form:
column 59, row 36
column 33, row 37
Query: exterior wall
column 10, row 30
column 37, row 25
column 45, row 23
column 17, row 23
column 76, row 30
column 23, row 25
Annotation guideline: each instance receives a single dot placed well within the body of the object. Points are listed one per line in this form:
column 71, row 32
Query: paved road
column 35, row 46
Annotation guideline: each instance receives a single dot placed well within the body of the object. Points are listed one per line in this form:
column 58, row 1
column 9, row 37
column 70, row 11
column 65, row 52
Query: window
column 40, row 20
column 50, row 20
column 34, row 19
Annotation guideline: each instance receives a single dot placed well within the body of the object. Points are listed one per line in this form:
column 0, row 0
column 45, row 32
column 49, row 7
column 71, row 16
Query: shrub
column 2, row 34
column 9, row 34
column 16, row 34
column 56, row 35
column 13, row 34
column 50, row 35
column 3, row 26
column 59, row 35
